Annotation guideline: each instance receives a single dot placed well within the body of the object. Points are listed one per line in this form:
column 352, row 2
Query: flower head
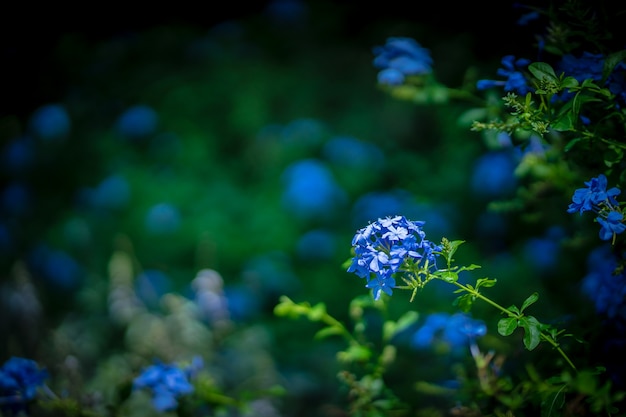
column 515, row 79
column 612, row 225
column 19, row 380
column 167, row 383
column 400, row 57
column 589, row 198
column 382, row 248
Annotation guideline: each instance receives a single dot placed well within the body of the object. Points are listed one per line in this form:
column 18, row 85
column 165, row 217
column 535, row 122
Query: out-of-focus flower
column 167, row 383
column 19, row 380
column 383, row 247
column 515, row 79
column 18, row 155
column 50, row 122
column 401, row 57
column 163, row 218
column 311, row 190
column 137, row 122
column 494, row 174
column 316, row 245
column 348, row 151
column 605, row 288
column 456, row 330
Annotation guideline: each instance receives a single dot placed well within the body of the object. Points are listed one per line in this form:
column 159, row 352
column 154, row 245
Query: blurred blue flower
column 56, row 267
column 243, row 302
column 304, row 132
column 542, row 253
column 316, row 245
column 456, row 330
column 113, row 193
column 515, row 79
column 50, row 122
column 605, row 288
column 19, row 380
column 287, row 12
column 348, row 151
column 137, row 122
column 163, row 218
column 377, row 204
column 494, row 174
column 404, row 55
column 18, row 155
column 390, row 76
column 151, row 285
column 166, row 382
column 16, row 199
column 310, row 190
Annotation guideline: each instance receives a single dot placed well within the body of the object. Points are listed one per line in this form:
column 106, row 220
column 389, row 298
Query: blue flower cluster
column 602, row 285
column 596, row 198
column 19, row 380
column 515, row 79
column 167, row 383
column 400, row 57
column 384, row 247
column 456, row 330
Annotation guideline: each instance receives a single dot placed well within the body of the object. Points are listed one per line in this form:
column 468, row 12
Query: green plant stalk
column 544, row 336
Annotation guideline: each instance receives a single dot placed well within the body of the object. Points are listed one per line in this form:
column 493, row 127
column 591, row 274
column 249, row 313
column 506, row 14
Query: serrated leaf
column 530, row 300
column 507, row 326
column 542, row 71
column 532, row 334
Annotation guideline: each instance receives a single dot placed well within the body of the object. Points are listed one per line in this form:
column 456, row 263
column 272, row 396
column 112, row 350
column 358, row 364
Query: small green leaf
column 464, row 302
column 485, row 282
column 542, row 71
column 571, row 143
column 530, row 300
column 611, row 61
column 532, row 331
column 507, row 325
column 449, row 276
column 406, row 320
column 514, row 309
column 569, row 82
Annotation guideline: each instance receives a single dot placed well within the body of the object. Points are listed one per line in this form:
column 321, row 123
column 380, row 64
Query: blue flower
column 19, row 380
column 605, row 288
column 515, row 79
column 402, row 55
column 163, row 218
column 494, row 174
column 137, row 122
column 50, row 122
column 612, row 225
column 589, row 198
column 456, row 330
column 167, row 383
column 384, row 246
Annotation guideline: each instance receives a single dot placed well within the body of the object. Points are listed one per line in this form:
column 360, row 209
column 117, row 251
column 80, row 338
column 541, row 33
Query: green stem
column 544, row 336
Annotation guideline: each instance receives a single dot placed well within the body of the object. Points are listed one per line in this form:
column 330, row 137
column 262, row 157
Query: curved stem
column 543, row 335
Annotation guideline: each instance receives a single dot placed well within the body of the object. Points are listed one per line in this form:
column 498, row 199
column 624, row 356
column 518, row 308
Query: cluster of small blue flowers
column 596, row 198
column 515, row 78
column 167, row 383
column 401, row 57
column 384, row 247
column 605, row 287
column 456, row 330
column 19, row 380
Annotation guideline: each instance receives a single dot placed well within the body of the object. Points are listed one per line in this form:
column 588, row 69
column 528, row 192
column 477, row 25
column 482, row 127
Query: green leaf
column 530, row 300
column 571, row 143
column 514, row 309
column 328, row 331
column 406, row 320
column 448, row 276
column 569, row 82
column 464, row 302
column 543, row 71
column 485, row 282
column 532, row 331
column 507, row 325
column 611, row 61
column 553, row 403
